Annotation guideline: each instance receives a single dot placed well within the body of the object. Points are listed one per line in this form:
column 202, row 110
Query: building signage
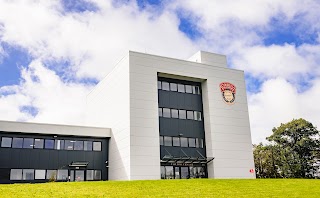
column 228, row 91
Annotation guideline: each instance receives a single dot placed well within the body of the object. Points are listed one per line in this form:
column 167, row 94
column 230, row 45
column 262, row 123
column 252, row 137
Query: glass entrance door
column 184, row 172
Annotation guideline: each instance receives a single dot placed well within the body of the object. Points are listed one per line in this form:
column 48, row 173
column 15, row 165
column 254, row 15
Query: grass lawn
column 168, row 188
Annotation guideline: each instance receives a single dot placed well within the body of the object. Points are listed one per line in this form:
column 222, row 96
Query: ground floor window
column 183, row 172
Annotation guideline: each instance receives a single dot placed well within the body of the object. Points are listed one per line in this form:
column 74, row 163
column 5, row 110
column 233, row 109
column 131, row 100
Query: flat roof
column 54, row 129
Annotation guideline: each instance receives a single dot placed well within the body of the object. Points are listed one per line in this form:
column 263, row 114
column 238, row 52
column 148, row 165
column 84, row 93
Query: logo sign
column 251, row 170
column 228, row 91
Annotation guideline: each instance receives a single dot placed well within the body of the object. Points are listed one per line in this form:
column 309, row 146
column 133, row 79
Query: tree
column 298, row 143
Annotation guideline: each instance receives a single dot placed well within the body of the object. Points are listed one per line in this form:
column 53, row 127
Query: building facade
column 159, row 118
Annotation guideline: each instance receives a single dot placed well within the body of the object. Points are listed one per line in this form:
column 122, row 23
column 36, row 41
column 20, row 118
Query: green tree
column 298, row 143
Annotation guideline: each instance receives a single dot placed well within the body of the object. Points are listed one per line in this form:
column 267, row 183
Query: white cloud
column 280, row 102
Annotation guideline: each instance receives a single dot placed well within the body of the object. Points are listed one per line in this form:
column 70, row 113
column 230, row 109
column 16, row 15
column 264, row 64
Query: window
column 174, row 113
column 6, row 142
column 51, row 174
column 28, row 174
column 68, row 144
column 90, row 174
column 16, row 174
column 197, row 115
column 78, row 145
column 184, row 142
column 173, row 87
column 79, row 175
column 192, row 142
column 97, row 175
column 161, row 140
column 163, row 172
column 188, row 89
column 169, row 172
column 59, row 144
column 182, row 114
column 97, row 146
column 38, row 143
column 62, row 175
column 159, row 84
column 196, row 90
column 48, row 144
column 176, row 141
column 28, row 143
column 160, row 112
column 17, row 142
column 167, row 141
column 88, row 145
column 166, row 112
column 197, row 142
column 40, row 174
column 165, row 86
column 190, row 115
column 181, row 88
column 201, row 143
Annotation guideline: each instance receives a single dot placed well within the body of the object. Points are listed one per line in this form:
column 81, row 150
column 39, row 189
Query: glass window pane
column 201, row 143
column 190, row 115
column 27, row 142
column 28, row 174
column 59, row 144
column 78, row 145
column 97, row 146
column 48, row 144
column 97, row 175
column 51, row 175
column 160, row 112
column 159, row 84
column 195, row 115
column 167, row 141
column 197, row 90
column 184, row 142
column 163, row 172
column 188, row 89
column 182, row 114
column 68, row 144
column 199, row 116
column 181, row 88
column 71, row 175
column 173, row 87
column 16, row 174
column 62, row 175
column 176, row 141
column 177, row 172
column 174, row 113
column 165, row 86
column 194, row 90
column 88, row 145
column 192, row 142
column 38, row 143
column 161, row 140
column 197, row 142
column 169, row 172
column 6, row 142
column 166, row 112
column 17, row 142
column 90, row 175
column 79, row 175
column 40, row 174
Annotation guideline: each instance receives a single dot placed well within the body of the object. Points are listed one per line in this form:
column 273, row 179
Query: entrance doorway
column 183, row 172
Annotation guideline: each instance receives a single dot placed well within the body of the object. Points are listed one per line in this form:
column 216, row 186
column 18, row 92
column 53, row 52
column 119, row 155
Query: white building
column 170, row 118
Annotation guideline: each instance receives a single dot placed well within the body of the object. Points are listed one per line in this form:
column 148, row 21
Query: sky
column 52, row 53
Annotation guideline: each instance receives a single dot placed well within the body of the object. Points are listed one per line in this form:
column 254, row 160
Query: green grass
column 168, row 188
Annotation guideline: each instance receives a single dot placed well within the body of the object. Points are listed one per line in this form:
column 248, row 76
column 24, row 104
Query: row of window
column 38, row 143
column 180, row 114
column 181, row 142
column 62, row 175
column 166, row 86
column 170, row 172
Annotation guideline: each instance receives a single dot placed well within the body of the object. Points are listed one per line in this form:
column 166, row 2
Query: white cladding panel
column 108, row 105
column 227, row 129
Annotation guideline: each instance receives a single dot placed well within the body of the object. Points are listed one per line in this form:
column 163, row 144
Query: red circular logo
column 228, row 91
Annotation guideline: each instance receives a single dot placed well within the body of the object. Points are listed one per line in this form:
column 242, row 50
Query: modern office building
column 158, row 118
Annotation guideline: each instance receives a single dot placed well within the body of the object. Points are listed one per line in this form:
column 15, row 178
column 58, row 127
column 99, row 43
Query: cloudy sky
column 53, row 52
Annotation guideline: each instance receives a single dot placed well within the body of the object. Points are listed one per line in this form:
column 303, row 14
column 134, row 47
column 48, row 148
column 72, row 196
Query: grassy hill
column 169, row 188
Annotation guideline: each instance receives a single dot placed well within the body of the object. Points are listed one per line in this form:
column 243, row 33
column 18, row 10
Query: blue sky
column 54, row 51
